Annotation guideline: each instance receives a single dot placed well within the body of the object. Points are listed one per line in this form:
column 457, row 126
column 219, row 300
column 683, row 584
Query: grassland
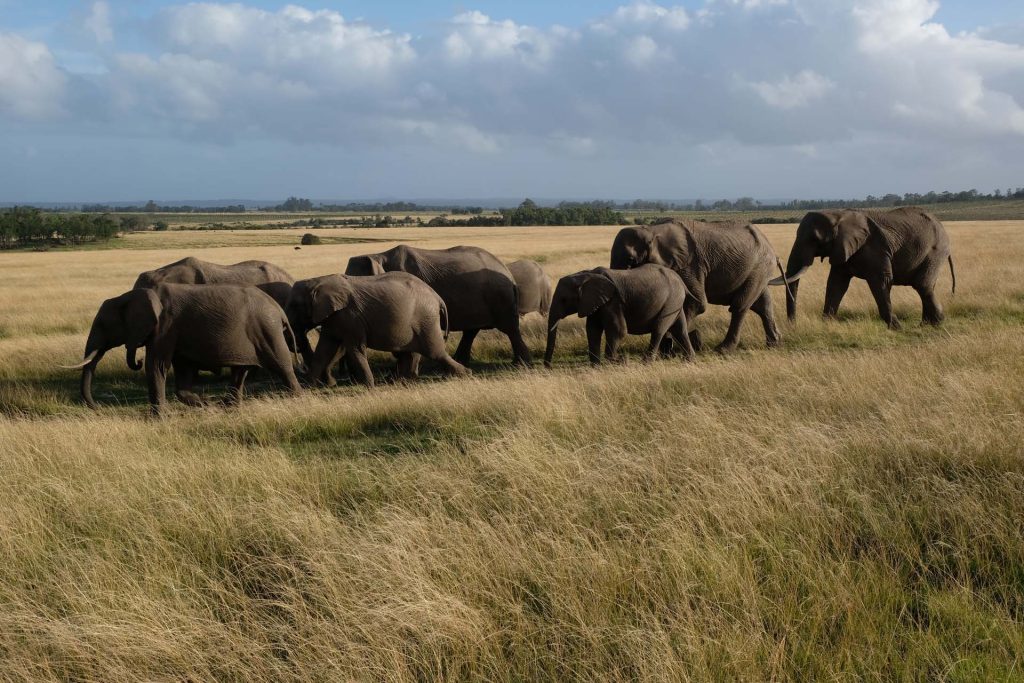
column 847, row 507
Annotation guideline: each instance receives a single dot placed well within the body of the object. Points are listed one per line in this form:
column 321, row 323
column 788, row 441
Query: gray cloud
column 736, row 81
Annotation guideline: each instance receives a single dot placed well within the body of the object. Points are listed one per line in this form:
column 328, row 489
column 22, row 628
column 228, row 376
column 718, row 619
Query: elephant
column 188, row 327
column 477, row 288
column 534, row 287
column 647, row 299
column 726, row 264
column 193, row 271
column 905, row 246
column 394, row 312
column 272, row 279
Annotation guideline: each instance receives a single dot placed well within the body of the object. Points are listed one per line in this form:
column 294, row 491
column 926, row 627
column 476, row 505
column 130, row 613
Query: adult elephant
column 187, row 328
column 477, row 288
column 193, row 271
column 272, row 279
column 727, row 264
column 534, row 286
column 905, row 246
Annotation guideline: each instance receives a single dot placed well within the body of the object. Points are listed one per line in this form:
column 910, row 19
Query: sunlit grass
column 846, row 507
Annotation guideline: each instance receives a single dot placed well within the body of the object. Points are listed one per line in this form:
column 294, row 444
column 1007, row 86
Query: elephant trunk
column 93, row 354
column 800, row 259
column 130, row 352
column 555, row 315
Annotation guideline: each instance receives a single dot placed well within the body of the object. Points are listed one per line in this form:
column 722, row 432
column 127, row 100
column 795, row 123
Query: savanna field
column 847, row 507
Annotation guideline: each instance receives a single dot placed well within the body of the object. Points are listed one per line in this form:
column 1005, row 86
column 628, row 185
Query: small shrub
column 309, row 238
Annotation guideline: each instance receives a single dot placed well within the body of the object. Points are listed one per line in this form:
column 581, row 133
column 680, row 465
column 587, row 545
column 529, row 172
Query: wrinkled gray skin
column 394, row 312
column 904, row 246
column 647, row 299
column 727, row 264
column 534, row 286
column 477, row 288
column 189, row 327
column 192, row 271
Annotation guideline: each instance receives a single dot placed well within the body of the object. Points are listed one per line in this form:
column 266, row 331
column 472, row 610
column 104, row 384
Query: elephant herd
column 193, row 315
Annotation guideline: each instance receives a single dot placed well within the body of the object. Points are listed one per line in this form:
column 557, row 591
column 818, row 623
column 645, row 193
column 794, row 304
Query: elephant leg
column 184, row 380
column 405, row 368
column 763, row 307
column 732, row 337
column 328, row 351
column 358, row 366
column 465, row 350
column 678, row 332
column 594, row 331
column 881, row 291
column 520, row 351
column 658, row 337
column 156, row 381
column 435, row 350
column 237, row 388
column 931, row 310
column 277, row 359
column 835, row 290
column 691, row 311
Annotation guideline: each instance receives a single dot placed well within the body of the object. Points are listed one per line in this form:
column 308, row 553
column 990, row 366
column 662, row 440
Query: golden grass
column 847, row 507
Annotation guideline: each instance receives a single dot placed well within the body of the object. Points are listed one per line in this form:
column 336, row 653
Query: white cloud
column 806, row 76
column 98, row 22
column 793, row 91
column 31, row 84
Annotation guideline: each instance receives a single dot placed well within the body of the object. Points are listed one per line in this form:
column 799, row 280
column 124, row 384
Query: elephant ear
column 852, row 231
column 595, row 292
column 326, row 300
column 140, row 312
column 364, row 265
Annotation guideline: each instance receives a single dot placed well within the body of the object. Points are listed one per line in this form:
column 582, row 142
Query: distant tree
column 150, row 207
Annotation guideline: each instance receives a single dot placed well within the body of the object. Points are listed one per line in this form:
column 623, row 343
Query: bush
column 161, row 225
column 309, row 238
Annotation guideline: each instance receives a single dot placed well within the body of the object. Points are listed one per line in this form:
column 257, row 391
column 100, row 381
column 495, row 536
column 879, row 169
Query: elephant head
column 581, row 293
column 129, row 319
column 299, row 310
column 837, row 235
column 634, row 246
column 367, row 264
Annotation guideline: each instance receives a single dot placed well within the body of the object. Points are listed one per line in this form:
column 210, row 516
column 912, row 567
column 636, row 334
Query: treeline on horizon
column 298, row 204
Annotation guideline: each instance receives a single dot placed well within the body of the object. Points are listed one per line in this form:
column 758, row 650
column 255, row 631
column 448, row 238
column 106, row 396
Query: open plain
column 846, row 507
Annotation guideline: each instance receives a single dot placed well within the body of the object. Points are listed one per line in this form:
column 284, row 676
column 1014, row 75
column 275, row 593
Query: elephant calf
column 394, row 312
column 647, row 299
column 187, row 328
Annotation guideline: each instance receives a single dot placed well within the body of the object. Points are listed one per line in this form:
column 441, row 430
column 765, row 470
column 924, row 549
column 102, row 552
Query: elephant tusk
column 555, row 326
column 88, row 359
column 788, row 280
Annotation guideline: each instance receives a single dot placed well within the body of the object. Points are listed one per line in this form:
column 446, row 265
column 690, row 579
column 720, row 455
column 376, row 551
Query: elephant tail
column 293, row 345
column 444, row 318
column 952, row 271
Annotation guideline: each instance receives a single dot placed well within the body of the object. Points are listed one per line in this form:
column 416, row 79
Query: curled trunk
column 130, row 352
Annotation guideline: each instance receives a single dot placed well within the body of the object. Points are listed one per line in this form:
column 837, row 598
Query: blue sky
column 120, row 100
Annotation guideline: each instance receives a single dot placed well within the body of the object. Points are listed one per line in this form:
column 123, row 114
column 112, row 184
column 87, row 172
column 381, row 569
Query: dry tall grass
column 847, row 507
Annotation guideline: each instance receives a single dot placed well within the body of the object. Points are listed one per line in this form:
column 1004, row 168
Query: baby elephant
column 647, row 299
column 188, row 328
column 394, row 312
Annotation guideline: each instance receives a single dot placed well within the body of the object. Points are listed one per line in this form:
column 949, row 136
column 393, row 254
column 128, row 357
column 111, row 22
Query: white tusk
column 555, row 326
column 789, row 280
column 88, row 359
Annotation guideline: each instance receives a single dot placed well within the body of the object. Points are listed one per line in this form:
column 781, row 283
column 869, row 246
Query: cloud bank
column 851, row 91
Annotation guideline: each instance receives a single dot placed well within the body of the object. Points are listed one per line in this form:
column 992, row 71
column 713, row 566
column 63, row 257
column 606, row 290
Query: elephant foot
column 774, row 343
column 894, row 325
column 933, row 321
column 192, row 399
column 725, row 349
